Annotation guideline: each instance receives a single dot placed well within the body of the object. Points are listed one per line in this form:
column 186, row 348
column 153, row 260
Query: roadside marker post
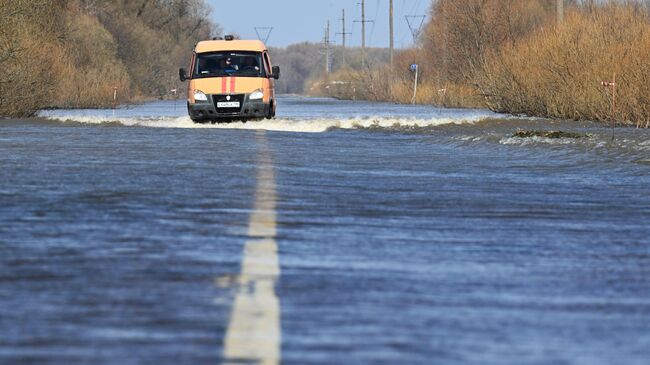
column 442, row 93
column 415, row 68
column 175, row 94
column 612, row 84
column 115, row 97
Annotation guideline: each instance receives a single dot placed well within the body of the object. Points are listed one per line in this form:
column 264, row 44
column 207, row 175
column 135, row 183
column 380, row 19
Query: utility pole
column 327, row 45
column 560, row 11
column 392, row 35
column 363, row 22
column 363, row 25
column 327, row 48
column 343, row 34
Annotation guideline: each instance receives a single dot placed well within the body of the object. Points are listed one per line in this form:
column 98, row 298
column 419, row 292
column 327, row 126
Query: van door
column 271, row 81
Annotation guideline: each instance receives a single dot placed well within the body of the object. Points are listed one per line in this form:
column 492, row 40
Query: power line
column 374, row 24
column 415, row 23
column 266, row 30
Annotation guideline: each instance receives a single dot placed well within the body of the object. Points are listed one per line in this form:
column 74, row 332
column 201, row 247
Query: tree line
column 304, row 69
column 516, row 56
column 75, row 53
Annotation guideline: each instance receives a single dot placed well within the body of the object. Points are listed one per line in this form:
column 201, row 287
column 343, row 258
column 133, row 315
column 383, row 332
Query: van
column 230, row 80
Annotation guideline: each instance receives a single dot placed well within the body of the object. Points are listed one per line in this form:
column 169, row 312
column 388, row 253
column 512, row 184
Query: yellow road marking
column 254, row 335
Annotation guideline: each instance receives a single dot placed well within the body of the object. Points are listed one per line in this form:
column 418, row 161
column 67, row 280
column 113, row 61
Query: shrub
column 28, row 51
column 557, row 72
column 511, row 56
column 58, row 53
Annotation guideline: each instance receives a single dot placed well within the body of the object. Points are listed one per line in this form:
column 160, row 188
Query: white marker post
column 441, row 96
column 415, row 68
column 175, row 94
column 115, row 97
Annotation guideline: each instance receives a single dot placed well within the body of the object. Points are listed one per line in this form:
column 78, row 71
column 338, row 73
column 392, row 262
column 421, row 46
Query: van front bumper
column 202, row 111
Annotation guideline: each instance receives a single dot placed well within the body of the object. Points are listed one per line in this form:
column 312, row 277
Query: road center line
column 254, row 334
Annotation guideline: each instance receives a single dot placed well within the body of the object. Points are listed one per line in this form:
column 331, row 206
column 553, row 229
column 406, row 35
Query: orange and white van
column 230, row 80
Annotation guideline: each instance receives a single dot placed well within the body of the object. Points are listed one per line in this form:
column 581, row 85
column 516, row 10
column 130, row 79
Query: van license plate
column 228, row 104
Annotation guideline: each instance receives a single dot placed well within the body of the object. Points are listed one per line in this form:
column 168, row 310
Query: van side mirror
column 182, row 74
column 275, row 72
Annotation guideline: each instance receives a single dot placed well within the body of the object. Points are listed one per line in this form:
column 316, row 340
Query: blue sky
column 304, row 20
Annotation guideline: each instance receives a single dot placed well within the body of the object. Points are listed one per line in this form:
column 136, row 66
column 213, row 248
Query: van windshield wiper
column 234, row 74
column 212, row 74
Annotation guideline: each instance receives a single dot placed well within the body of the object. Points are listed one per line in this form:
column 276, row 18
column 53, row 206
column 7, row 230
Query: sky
column 295, row 21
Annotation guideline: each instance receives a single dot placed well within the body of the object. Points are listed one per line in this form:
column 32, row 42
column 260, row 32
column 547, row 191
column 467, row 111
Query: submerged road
column 339, row 233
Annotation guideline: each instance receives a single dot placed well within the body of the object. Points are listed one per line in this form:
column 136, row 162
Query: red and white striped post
column 612, row 84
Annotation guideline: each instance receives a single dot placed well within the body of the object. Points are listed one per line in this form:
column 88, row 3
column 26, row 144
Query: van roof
column 235, row 45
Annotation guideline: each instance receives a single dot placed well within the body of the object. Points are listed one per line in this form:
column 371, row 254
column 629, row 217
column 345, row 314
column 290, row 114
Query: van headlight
column 257, row 94
column 200, row 96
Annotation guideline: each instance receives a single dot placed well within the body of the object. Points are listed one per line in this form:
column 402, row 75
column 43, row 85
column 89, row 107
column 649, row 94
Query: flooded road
column 339, row 233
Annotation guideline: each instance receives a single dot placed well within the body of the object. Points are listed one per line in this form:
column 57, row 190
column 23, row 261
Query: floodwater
column 339, row 233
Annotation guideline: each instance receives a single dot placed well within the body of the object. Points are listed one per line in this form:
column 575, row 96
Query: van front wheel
column 271, row 113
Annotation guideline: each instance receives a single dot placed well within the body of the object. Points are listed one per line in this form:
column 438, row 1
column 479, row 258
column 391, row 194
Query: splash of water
column 284, row 125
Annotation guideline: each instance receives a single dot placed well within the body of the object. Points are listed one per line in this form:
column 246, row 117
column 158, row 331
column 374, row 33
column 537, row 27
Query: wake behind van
column 230, row 80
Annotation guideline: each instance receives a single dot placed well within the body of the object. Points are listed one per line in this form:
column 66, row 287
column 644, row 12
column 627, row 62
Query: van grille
column 221, row 98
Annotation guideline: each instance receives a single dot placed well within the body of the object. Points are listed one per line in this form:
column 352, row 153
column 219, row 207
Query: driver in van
column 229, row 66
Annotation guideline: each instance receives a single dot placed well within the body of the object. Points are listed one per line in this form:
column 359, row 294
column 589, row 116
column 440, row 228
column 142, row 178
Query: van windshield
column 216, row 64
